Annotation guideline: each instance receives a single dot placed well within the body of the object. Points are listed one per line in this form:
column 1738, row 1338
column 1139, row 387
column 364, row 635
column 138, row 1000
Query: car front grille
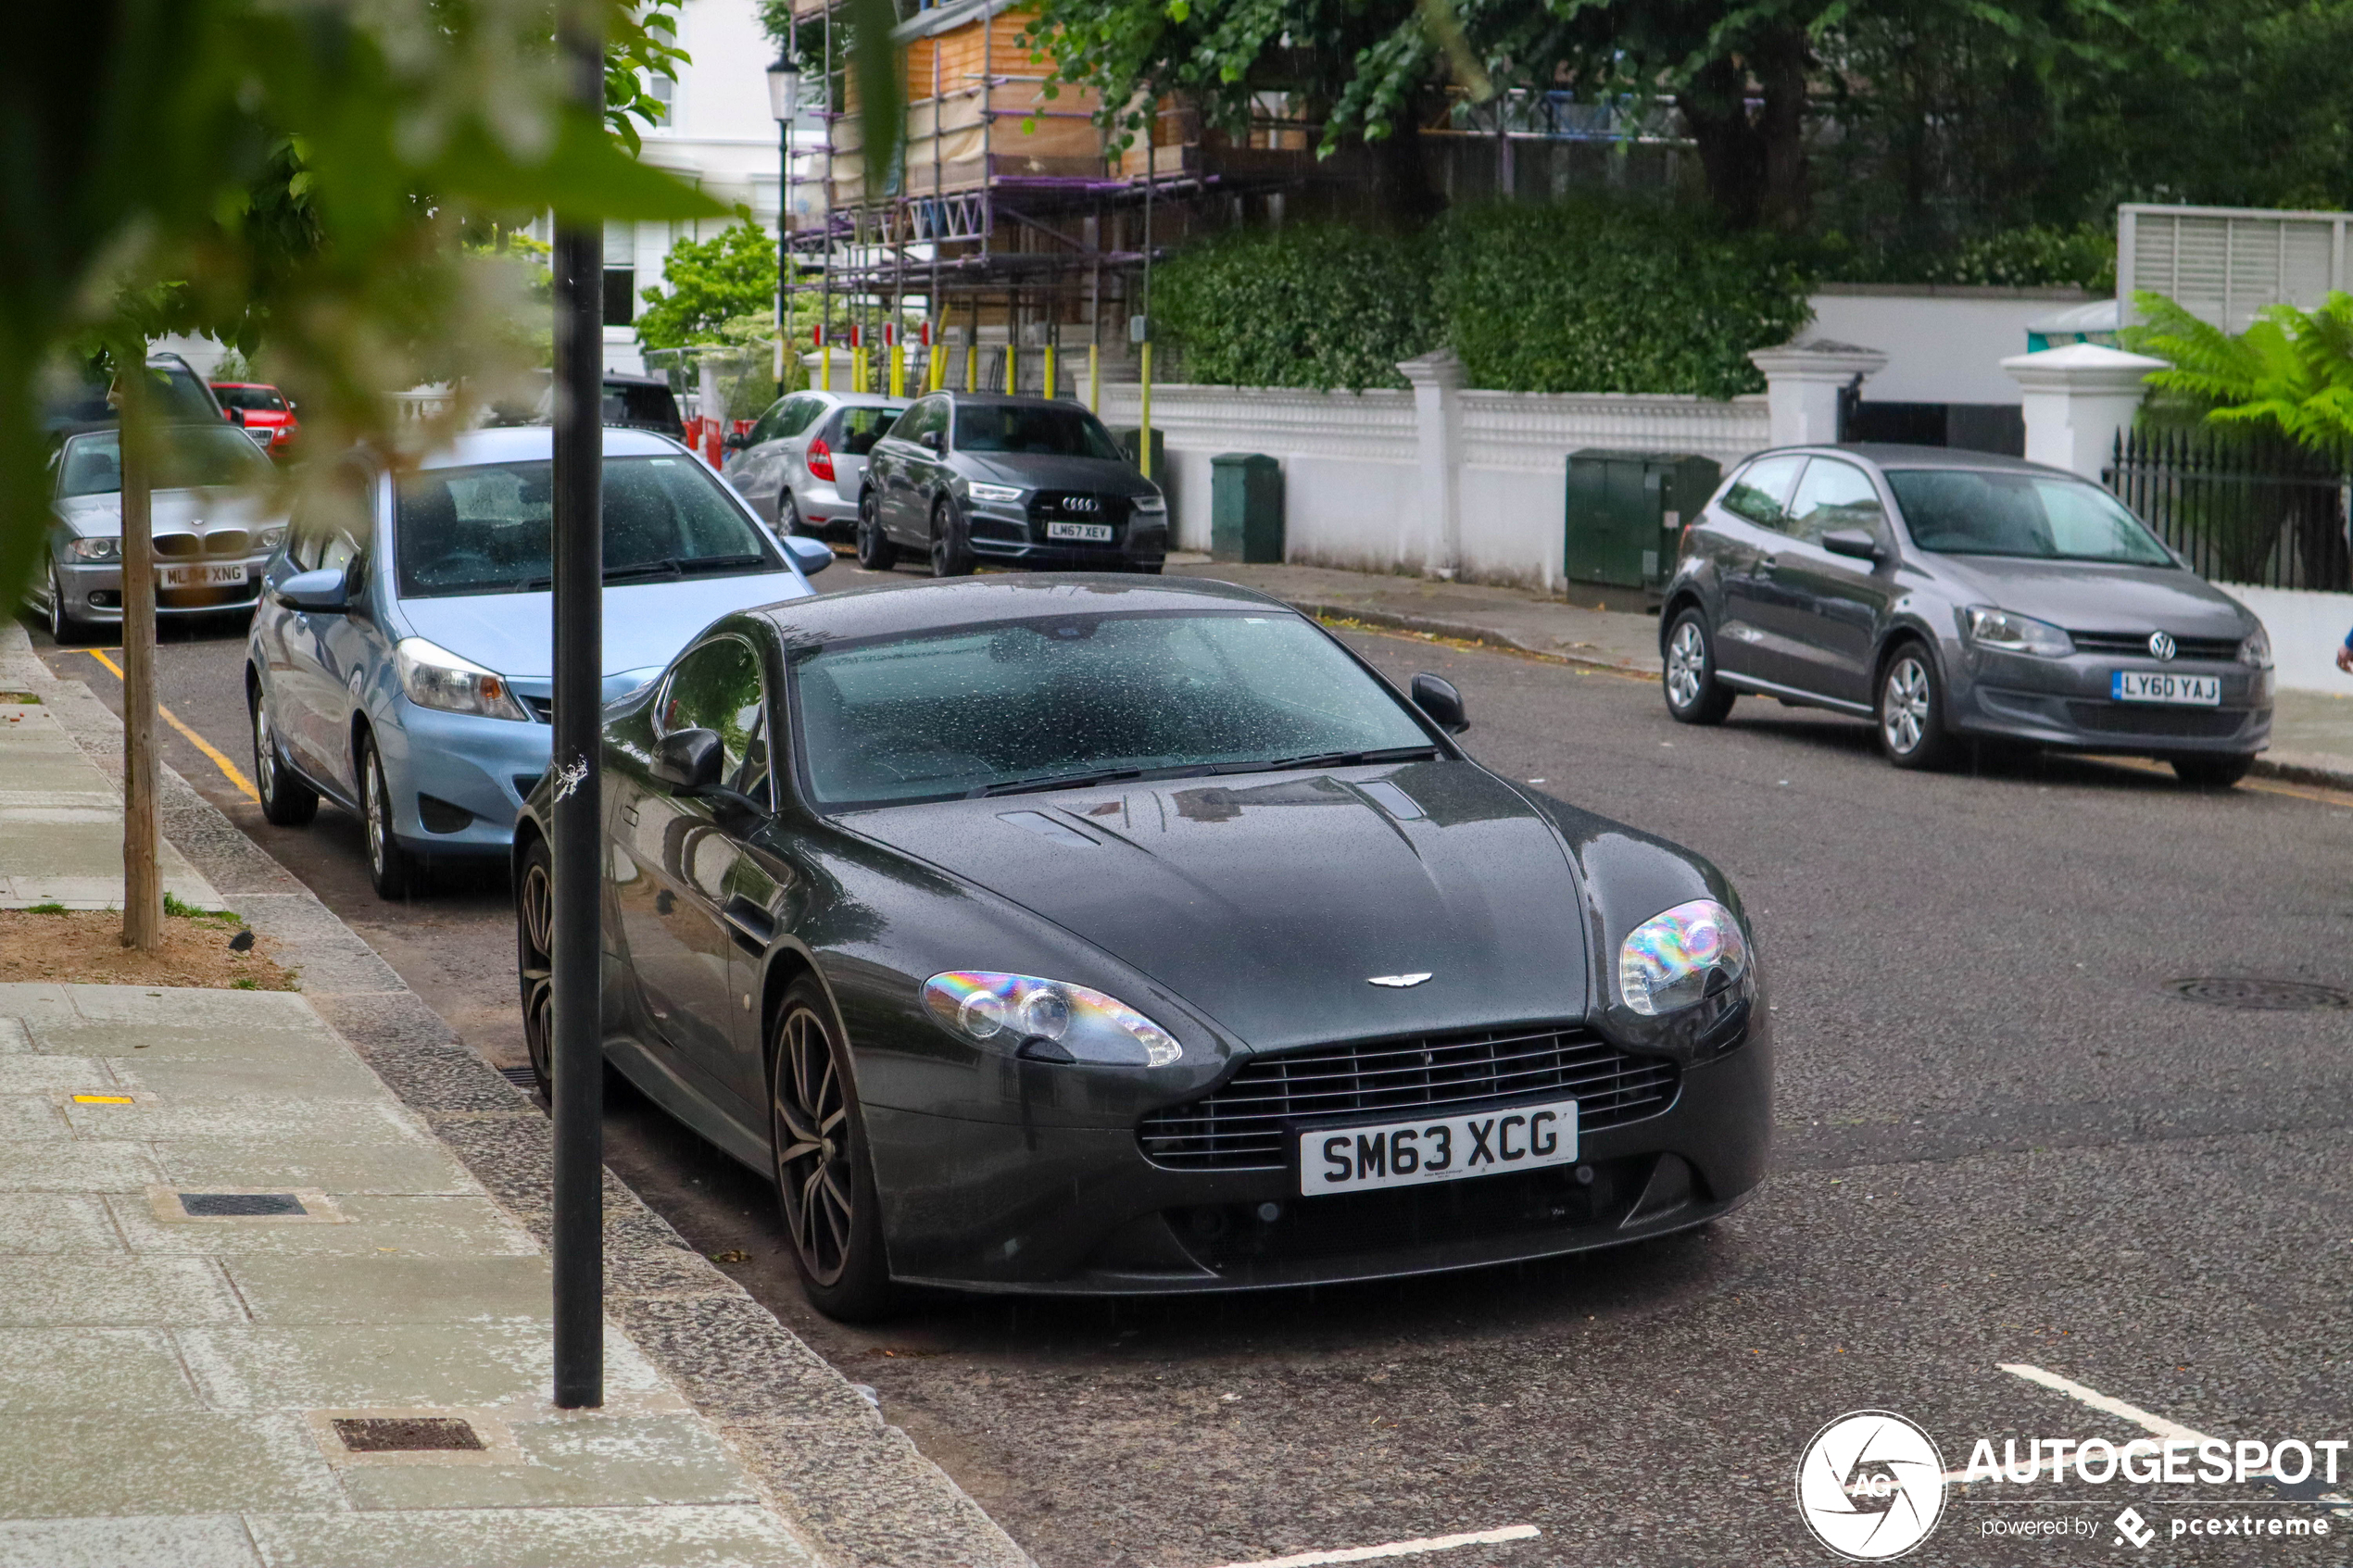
column 2149, row 719
column 2136, row 645
column 542, row 707
column 1079, row 505
column 227, row 541
column 1244, row 1125
column 177, row 544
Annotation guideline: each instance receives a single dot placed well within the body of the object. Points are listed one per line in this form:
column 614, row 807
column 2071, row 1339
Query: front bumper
column 467, row 765
column 94, row 592
column 1008, row 534
column 1003, row 1206
column 2067, row 703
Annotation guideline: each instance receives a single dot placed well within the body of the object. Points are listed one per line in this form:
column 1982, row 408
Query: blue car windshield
column 1013, row 706
column 484, row 529
column 2042, row 517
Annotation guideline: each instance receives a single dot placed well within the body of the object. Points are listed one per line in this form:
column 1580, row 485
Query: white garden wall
column 2306, row 630
column 1353, row 485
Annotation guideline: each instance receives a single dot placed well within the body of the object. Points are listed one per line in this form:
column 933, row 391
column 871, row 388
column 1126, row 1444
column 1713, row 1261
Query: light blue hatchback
column 401, row 657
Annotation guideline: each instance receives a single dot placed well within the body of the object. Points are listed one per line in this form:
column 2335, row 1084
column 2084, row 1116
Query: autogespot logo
column 1870, row 1485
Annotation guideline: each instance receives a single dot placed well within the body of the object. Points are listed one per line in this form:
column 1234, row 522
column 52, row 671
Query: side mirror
column 1440, row 703
column 327, row 590
column 687, row 761
column 736, row 441
column 1854, row 543
column 236, row 417
column 928, row 441
column 813, row 555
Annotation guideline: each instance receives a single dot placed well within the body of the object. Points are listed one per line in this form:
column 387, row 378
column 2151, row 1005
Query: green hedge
column 1593, row 295
column 1314, row 305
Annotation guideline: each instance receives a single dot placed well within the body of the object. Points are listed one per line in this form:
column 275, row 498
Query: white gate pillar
column 1437, row 381
column 1802, row 380
column 2077, row 399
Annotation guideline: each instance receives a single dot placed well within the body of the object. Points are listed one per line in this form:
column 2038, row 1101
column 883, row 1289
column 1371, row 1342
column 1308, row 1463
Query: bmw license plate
column 2142, row 685
column 1086, row 532
column 1437, row 1148
column 201, row 576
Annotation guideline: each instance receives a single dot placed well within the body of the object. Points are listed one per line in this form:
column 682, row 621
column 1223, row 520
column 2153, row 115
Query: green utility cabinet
column 1627, row 512
column 1246, row 508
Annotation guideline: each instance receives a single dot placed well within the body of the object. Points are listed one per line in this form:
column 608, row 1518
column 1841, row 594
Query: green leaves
column 708, row 283
column 2291, row 371
column 1593, row 295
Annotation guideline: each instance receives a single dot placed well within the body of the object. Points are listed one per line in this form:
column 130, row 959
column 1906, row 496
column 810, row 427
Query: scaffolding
column 1007, row 224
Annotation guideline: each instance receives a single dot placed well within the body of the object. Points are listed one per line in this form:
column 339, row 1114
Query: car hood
column 1039, row 472
column 646, row 623
column 1271, row 902
column 2098, row 597
column 173, row 511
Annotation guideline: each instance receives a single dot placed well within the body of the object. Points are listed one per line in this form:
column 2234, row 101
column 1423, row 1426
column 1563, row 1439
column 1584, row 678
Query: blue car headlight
column 433, row 677
column 1048, row 1020
column 1673, row 960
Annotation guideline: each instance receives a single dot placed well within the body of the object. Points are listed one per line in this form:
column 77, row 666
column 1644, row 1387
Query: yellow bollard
column 1050, row 369
column 1012, row 367
column 972, row 364
column 1095, row 380
column 898, row 368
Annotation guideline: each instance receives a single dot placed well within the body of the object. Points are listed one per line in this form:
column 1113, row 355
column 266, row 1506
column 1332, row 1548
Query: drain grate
column 407, row 1435
column 2262, row 996
column 521, row 1078
column 240, row 1205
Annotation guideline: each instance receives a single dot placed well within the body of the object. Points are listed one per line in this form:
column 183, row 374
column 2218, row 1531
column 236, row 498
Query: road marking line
column 228, row 769
column 2099, row 1402
column 1395, row 1548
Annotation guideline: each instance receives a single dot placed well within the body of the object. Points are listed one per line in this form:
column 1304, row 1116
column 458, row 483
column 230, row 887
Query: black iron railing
column 2261, row 512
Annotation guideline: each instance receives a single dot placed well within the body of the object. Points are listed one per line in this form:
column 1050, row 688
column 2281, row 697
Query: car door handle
column 752, row 927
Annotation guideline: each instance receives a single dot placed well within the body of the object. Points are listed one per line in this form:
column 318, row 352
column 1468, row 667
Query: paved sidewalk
column 169, row 1383
column 61, row 821
column 2312, row 734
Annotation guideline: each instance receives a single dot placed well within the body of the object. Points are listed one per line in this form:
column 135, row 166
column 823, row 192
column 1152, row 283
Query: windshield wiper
column 1055, row 781
column 1347, row 758
column 666, row 567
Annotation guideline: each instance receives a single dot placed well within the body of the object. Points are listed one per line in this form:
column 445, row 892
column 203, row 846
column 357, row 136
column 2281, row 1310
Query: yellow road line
column 228, row 769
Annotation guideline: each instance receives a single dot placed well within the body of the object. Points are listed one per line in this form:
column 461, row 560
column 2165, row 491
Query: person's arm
column 2344, row 653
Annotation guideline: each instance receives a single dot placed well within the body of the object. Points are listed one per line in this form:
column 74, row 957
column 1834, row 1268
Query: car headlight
column 2009, row 632
column 1048, row 1020
column 1673, row 960
column 433, row 677
column 273, row 537
column 95, row 549
column 1150, row 504
column 2257, row 649
column 994, row 492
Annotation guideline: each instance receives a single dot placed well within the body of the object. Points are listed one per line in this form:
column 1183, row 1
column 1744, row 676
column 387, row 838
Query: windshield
column 188, row 457
column 1017, row 704
column 631, row 403
column 1054, row 433
column 1978, row 512
column 83, row 394
column 253, row 400
column 484, row 530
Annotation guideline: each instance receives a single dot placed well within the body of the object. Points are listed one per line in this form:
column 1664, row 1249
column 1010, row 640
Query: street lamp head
column 784, row 89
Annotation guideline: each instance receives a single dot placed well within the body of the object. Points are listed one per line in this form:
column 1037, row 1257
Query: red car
column 267, row 411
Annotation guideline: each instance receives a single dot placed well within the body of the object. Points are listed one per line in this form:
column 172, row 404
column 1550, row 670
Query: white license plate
column 201, row 576
column 1091, row 533
column 2141, row 685
column 1437, row 1148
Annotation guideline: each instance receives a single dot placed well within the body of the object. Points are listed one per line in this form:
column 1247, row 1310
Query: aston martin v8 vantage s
column 1085, row 933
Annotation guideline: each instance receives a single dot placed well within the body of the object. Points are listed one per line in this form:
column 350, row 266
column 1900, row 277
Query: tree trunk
column 1403, row 192
column 1780, row 65
column 141, row 876
column 1755, row 164
column 1732, row 156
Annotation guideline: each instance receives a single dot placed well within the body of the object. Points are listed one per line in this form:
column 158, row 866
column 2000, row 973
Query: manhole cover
column 414, row 1434
column 2263, row 996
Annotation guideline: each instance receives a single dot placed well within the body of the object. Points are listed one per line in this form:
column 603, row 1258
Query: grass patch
column 173, row 906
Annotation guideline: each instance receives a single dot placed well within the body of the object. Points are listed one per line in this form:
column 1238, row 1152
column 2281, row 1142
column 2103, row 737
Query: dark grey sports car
column 1084, row 934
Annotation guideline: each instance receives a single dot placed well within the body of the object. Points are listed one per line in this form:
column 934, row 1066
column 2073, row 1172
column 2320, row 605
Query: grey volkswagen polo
column 1945, row 593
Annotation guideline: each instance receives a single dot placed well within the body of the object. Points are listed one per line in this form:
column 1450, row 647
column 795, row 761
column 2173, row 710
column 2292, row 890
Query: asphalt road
column 2003, row 1140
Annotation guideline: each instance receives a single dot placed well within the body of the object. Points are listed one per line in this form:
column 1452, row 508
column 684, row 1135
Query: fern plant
column 2290, row 373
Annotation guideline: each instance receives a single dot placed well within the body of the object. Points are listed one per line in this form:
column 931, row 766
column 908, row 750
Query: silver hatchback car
column 802, row 464
column 1945, row 593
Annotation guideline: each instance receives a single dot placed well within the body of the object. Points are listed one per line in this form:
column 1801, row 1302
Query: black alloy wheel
column 393, row 870
column 64, row 629
column 1911, row 709
column 1693, row 694
column 875, row 552
column 534, row 964
column 286, row 801
column 2209, row 772
column 824, row 1179
column 951, row 549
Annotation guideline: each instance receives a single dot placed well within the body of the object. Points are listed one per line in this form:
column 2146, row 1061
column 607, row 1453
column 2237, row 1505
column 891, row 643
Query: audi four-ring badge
column 1099, row 934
